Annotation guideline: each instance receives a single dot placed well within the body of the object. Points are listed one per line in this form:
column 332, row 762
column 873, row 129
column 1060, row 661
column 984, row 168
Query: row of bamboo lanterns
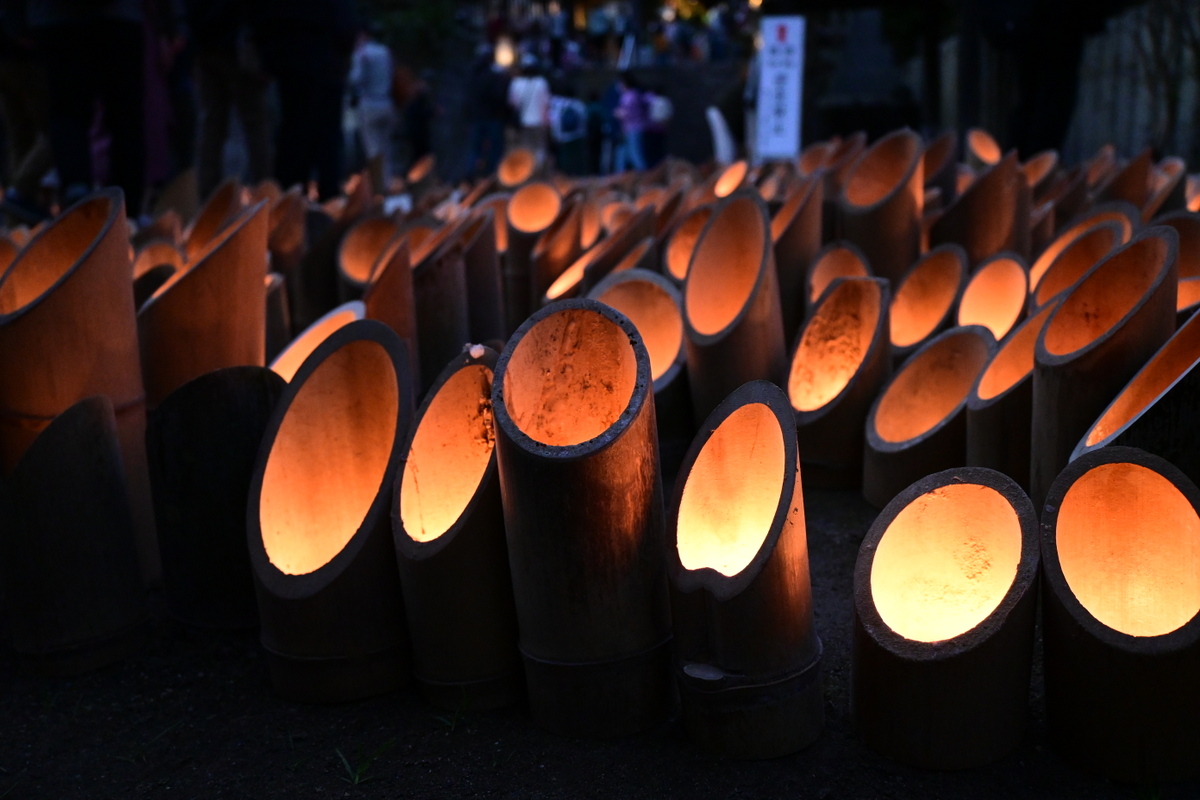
column 512, row 532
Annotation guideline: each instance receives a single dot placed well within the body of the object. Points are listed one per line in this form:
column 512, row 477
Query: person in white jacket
column 529, row 95
column 371, row 82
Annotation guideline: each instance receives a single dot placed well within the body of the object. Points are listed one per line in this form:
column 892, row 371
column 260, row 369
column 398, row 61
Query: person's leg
column 633, row 151
column 212, row 88
column 293, row 147
column 250, row 99
column 119, row 59
column 70, row 77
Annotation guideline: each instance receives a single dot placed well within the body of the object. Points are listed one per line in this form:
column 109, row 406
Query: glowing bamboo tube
column 1187, row 225
column 730, row 180
column 748, row 659
column 154, row 253
column 939, row 164
column 579, row 477
column 732, row 317
column 1116, row 213
column 983, row 151
column 945, row 600
column 516, row 168
column 1103, row 331
column 840, row 363
column 439, row 284
column 796, row 237
column 918, row 423
column 288, row 363
column 68, row 330
column 556, row 249
column 318, row 521
column 315, row 281
column 532, row 209
column 498, row 205
column 448, row 525
column 1040, row 170
column 995, row 296
column 836, row 260
column 880, row 204
column 359, row 250
column 201, row 443
column 485, row 297
column 1166, row 190
column 681, row 242
column 220, row 209
column 1130, row 183
column 1120, row 621
column 594, row 265
column 990, row 216
column 924, row 301
column 68, row 558
column 390, row 300
column 1083, row 252
column 287, row 241
column 643, row 256
column 1000, row 406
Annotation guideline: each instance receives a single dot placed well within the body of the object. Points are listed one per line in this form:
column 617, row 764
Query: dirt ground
column 194, row 716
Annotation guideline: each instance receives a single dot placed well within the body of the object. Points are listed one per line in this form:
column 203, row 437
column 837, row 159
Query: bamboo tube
column 219, row 210
column 555, row 250
column 917, row 425
column 448, row 526
column 1075, row 259
column 1130, row 183
column 995, row 296
column 1069, row 195
column 1187, row 226
column 1041, row 226
column 288, row 363
column 835, row 260
column 681, row 242
column 1188, row 299
column 390, row 299
column 318, row 521
column 315, row 280
column 359, row 250
column 1039, row 171
column 940, row 674
column 439, row 285
column 1116, row 213
column 154, row 253
column 1000, row 406
column 166, row 227
column 149, row 282
column 1101, row 165
column 840, row 362
column 924, row 301
column 279, row 317
column 67, row 552
column 68, row 329
column 202, row 442
column 1166, row 189
column 732, row 317
column 880, row 204
column 730, row 180
column 485, row 298
column 1120, row 622
column 516, row 168
column 592, row 267
column 422, row 176
column 212, row 315
column 939, row 163
column 1103, row 331
column 532, row 210
column 796, row 238
column 747, row 656
column 982, row 149
column 990, row 216
column 643, row 256
column 286, row 241
column 579, row 477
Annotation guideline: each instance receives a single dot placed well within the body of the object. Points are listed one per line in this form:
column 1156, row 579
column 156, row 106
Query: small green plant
column 356, row 774
column 450, row 721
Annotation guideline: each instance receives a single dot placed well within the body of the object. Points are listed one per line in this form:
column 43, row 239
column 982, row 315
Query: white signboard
column 780, row 87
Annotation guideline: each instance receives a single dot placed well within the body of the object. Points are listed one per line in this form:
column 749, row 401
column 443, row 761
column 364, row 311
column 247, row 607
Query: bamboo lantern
column 983, row 151
column 835, row 260
column 594, row 265
column 813, row 157
column 485, row 298
column 643, row 256
column 840, row 363
column 945, row 600
column 939, row 164
column 498, row 205
column 318, row 521
column 667, row 211
column 279, row 316
column 654, row 306
column 924, row 301
column 1084, row 252
column 1166, row 189
column 359, row 251
column 918, row 424
column 439, row 286
column 448, row 525
column 315, row 280
column 1187, row 299
column 422, row 176
column 1121, row 561
column 1117, row 316
column 555, row 250
column 288, row 363
column 68, row 329
column 516, row 168
column 681, row 242
column 1130, row 183
column 222, row 206
column 796, row 237
column 732, row 317
column 149, row 282
column 1115, row 213
column 287, row 242
column 212, row 315
column 579, row 478
column 1155, row 410
column 154, row 253
column 1187, row 225
column 880, row 204
column 1101, row 165
column 202, row 442
column 995, row 296
column 1000, row 406
column 166, row 227
column 390, row 299
column 990, row 216
column 838, row 162
column 591, row 230
column 67, row 552
column 747, row 657
column 730, row 180
column 532, row 209
column 1040, row 170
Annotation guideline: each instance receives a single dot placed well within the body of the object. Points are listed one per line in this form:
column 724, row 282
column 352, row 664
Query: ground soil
column 194, row 716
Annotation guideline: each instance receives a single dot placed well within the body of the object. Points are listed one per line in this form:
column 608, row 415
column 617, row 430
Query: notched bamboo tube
column 747, row 655
column 918, row 424
column 1121, row 632
column 995, row 296
column 1103, row 331
column 945, row 600
column 448, row 526
column 67, row 551
column 923, row 302
column 318, row 521
column 579, row 477
column 990, row 216
column 732, row 317
column 880, row 204
column 796, row 236
column 840, row 363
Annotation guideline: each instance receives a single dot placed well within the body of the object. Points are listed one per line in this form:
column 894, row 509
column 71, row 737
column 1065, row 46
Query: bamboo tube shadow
column 747, row 654
column 945, row 601
column 917, row 425
column 69, row 559
column 1121, row 632
column 840, row 362
column 579, row 479
column 319, row 526
column 448, row 526
column 924, row 301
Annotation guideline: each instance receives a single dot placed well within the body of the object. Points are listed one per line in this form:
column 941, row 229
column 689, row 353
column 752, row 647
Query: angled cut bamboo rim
column 602, row 259
column 882, row 171
column 1039, row 170
column 840, row 259
column 1011, row 366
column 995, row 295
column 221, row 207
column 982, row 148
column 1116, row 213
column 1187, row 225
column 1075, row 259
column 938, row 156
column 361, row 247
column 681, row 243
column 937, row 265
column 655, row 307
column 288, row 363
column 517, row 167
column 154, row 253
